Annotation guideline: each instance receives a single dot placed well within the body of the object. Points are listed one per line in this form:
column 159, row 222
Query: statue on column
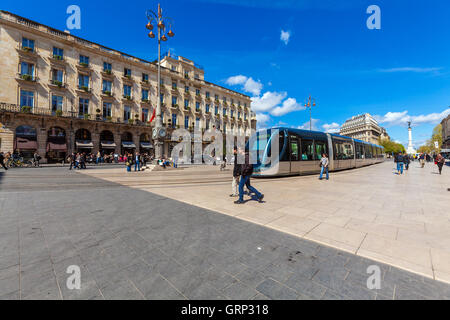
column 411, row 149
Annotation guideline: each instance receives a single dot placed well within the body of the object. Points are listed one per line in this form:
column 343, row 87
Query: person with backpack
column 399, row 161
column 246, row 172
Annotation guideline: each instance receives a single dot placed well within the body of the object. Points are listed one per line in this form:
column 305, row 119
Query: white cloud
column 307, row 125
column 236, row 80
column 432, row 118
column 393, row 118
column 249, row 85
column 410, row 69
column 402, row 118
column 262, row 118
column 289, row 105
column 285, row 36
column 271, row 102
column 331, row 128
column 268, row 101
column 252, row 86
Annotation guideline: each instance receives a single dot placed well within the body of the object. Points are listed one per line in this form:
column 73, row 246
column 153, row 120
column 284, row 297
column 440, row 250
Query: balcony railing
column 13, row 108
column 27, row 77
column 57, row 83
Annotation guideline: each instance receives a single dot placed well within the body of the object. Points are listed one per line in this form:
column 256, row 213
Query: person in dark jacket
column 399, row 161
column 246, row 172
column 440, row 161
column 406, row 161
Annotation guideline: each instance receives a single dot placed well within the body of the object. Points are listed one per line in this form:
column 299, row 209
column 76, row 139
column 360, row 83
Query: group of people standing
column 137, row 159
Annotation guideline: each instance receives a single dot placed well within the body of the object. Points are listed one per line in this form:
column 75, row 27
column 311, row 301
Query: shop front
column 128, row 145
column 25, row 142
column 145, row 144
column 107, row 145
column 56, row 145
column 83, row 141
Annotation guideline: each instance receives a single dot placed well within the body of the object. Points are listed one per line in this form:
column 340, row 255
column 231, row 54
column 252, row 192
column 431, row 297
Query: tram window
column 348, row 151
column 321, row 148
column 359, row 151
column 307, row 150
column 368, row 150
column 294, row 149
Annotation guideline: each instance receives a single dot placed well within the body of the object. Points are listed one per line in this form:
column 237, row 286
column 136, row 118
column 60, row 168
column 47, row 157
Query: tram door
column 308, row 162
column 294, row 144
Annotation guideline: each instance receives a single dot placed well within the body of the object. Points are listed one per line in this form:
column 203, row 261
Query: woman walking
column 440, row 161
column 324, row 163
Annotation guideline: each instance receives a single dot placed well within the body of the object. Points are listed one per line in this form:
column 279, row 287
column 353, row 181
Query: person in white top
column 324, row 162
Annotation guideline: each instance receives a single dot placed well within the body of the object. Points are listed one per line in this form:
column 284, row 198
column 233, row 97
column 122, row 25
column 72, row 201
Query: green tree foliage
column 429, row 146
column 392, row 147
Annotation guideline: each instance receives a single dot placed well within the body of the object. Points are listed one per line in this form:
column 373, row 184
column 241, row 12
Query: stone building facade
column 364, row 127
column 446, row 133
column 60, row 93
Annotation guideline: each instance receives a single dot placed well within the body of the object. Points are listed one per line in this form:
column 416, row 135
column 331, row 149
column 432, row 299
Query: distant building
column 364, row 127
column 446, row 133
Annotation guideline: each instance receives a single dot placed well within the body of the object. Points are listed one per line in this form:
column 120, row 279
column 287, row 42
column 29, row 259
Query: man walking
column 399, row 160
column 422, row 160
column 137, row 162
column 246, row 172
column 406, row 160
column 2, row 159
column 324, row 163
column 36, row 158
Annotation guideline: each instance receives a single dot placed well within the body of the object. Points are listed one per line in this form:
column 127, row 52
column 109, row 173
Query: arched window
column 106, row 136
column 83, row 135
column 145, row 137
column 127, row 136
column 26, row 132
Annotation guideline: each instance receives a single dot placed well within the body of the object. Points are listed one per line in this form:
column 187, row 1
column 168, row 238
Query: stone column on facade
column 42, row 143
column 136, row 138
column 6, row 138
column 96, row 142
column 117, row 141
column 70, row 141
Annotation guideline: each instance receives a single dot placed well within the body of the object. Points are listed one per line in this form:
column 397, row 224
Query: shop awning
column 84, row 144
column 25, row 144
column 108, row 145
column 129, row 145
column 146, row 145
column 56, row 147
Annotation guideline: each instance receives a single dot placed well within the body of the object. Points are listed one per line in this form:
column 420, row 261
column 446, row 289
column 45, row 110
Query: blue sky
column 280, row 52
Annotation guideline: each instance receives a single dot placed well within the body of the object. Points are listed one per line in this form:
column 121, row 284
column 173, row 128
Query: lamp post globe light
column 311, row 103
column 161, row 23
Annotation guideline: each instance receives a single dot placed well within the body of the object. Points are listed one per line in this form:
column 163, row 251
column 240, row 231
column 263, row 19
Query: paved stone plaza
column 177, row 235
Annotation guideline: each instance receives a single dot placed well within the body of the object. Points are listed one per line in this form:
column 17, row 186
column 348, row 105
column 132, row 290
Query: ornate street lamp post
column 311, row 103
column 157, row 19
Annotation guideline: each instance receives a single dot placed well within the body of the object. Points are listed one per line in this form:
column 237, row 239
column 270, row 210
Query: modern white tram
column 300, row 152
